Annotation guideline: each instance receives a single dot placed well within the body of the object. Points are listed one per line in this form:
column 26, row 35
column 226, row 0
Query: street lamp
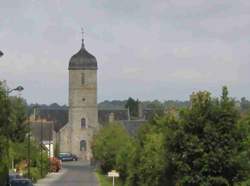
column 1, row 53
column 19, row 89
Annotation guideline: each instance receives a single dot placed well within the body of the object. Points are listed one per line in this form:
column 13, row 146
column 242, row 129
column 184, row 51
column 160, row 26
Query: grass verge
column 106, row 181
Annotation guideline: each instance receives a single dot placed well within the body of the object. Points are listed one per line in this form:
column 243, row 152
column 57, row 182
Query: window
column 83, row 145
column 82, row 79
column 83, row 123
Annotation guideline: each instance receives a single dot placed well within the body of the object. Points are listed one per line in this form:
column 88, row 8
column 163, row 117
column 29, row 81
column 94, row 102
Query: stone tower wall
column 82, row 104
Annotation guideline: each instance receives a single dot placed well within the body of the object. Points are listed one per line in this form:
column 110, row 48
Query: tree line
column 205, row 144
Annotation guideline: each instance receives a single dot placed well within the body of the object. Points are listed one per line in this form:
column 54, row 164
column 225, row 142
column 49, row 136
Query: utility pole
column 41, row 143
column 50, row 144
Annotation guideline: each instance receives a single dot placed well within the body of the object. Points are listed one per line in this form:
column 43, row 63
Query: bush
column 34, row 174
column 3, row 174
column 218, row 181
column 55, row 164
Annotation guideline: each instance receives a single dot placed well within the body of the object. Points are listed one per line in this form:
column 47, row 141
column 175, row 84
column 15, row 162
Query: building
column 76, row 135
column 43, row 132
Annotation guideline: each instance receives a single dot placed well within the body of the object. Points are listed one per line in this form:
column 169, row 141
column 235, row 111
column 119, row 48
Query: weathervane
column 82, row 38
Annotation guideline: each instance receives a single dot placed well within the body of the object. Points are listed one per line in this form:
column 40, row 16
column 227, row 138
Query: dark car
column 75, row 157
column 66, row 156
column 13, row 176
column 21, row 182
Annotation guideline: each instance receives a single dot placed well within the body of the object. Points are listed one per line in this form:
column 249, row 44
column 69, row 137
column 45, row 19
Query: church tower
column 83, row 118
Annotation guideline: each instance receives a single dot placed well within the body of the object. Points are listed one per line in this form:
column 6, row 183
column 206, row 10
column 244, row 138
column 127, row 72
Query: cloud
column 163, row 49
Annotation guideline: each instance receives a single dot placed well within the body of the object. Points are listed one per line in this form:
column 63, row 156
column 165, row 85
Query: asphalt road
column 73, row 174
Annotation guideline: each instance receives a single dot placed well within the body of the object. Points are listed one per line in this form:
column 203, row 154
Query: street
column 77, row 173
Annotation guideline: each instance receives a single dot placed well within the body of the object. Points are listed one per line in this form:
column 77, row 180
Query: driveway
column 77, row 173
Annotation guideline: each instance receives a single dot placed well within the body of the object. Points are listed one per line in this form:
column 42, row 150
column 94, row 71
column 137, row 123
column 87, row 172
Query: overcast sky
column 147, row 49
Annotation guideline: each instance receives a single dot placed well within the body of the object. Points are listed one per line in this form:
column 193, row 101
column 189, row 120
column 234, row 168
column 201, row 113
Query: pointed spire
column 82, row 47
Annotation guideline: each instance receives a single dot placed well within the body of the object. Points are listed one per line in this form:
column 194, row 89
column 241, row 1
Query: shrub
column 34, row 174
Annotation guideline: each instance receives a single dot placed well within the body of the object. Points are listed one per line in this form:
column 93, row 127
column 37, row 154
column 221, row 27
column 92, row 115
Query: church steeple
column 82, row 60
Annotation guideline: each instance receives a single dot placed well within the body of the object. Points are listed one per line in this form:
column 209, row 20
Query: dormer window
column 83, row 123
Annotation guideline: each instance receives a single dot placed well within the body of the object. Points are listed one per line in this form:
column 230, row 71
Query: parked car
column 21, row 182
column 55, row 164
column 12, row 176
column 75, row 157
column 66, row 156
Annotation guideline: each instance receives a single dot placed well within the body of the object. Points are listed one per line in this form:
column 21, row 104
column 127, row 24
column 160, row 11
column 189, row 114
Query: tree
column 133, row 106
column 20, row 126
column 148, row 161
column 5, row 131
column 12, row 128
column 204, row 147
column 107, row 144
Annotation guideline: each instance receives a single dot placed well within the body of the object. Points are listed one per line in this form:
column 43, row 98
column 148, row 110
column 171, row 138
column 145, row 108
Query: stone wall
column 82, row 104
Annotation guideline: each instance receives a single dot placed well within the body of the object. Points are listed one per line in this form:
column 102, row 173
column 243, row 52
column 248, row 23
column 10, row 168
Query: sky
column 146, row 49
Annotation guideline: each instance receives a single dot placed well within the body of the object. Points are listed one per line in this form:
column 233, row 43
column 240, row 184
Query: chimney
column 111, row 117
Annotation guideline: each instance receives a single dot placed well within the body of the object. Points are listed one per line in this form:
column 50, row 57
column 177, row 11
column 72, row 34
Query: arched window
column 83, row 123
column 83, row 145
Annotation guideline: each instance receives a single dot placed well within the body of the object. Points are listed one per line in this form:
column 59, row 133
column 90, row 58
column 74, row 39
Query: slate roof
column 59, row 116
column 42, row 131
column 132, row 126
column 83, row 60
column 150, row 113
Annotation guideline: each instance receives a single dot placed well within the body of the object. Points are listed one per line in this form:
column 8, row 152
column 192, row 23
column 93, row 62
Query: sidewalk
column 50, row 178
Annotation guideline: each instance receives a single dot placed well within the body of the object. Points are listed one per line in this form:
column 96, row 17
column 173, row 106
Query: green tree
column 204, row 147
column 148, row 161
column 12, row 128
column 107, row 144
column 132, row 105
column 5, row 133
column 20, row 126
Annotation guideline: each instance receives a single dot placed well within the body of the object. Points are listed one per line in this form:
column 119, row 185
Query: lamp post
column 29, row 135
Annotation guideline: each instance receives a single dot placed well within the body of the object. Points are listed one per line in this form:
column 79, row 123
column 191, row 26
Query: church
column 77, row 134
column 76, row 124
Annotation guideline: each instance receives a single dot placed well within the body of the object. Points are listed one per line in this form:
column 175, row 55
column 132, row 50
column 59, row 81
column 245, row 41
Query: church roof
column 83, row 60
